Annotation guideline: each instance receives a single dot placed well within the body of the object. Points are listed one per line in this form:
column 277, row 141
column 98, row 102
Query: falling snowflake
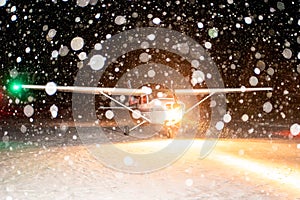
column 51, row 88
column 97, row 62
column 119, row 20
column 77, row 43
column 28, row 110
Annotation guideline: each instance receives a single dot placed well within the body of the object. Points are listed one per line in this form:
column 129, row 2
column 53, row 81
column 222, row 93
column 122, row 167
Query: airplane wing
column 219, row 90
column 91, row 90
column 142, row 91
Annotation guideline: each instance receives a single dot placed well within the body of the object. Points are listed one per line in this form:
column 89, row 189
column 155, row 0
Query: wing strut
column 197, row 104
column 138, row 125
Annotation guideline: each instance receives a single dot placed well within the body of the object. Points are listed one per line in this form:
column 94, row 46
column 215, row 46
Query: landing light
column 174, row 116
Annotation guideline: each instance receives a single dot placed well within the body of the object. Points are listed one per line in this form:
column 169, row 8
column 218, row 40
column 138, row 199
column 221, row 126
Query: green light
column 17, row 87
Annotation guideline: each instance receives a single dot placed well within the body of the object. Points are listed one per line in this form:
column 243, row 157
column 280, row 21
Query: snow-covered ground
column 236, row 169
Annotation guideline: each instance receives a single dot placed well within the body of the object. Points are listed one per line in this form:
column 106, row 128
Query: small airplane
column 152, row 105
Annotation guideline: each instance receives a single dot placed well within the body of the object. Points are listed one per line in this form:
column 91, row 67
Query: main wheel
column 126, row 130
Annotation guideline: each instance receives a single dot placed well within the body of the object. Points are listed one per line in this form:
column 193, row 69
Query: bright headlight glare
column 174, row 115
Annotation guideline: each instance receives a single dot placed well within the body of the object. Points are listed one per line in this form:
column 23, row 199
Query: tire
column 170, row 133
column 126, row 130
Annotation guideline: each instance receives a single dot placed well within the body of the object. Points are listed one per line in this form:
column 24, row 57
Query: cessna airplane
column 151, row 105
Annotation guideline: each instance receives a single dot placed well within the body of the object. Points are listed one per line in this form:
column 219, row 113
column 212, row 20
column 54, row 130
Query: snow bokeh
column 109, row 114
column 77, row 43
column 28, row 110
column 51, row 88
column 267, row 107
column 119, row 20
column 198, row 77
column 54, row 111
column 251, row 47
column 97, row 62
column 295, row 129
column 48, row 43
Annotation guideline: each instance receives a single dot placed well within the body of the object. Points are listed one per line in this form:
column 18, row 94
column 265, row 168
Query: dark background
column 238, row 49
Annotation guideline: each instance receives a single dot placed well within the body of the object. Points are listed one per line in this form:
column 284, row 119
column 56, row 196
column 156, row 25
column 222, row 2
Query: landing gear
column 126, row 130
column 171, row 131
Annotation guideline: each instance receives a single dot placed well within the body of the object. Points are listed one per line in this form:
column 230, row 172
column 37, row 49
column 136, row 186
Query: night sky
column 257, row 44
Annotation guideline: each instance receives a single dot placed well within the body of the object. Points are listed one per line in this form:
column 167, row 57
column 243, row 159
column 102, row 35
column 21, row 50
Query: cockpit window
column 143, row 99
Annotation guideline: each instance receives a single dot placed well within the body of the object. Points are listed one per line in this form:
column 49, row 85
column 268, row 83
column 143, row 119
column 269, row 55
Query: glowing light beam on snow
column 267, row 171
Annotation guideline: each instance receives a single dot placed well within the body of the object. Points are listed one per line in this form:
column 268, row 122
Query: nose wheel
column 171, row 131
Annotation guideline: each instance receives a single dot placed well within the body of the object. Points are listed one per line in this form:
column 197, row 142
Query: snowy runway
column 245, row 169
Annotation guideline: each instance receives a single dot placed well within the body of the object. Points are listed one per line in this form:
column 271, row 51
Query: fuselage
column 165, row 111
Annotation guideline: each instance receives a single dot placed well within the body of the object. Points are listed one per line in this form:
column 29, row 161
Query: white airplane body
column 163, row 109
